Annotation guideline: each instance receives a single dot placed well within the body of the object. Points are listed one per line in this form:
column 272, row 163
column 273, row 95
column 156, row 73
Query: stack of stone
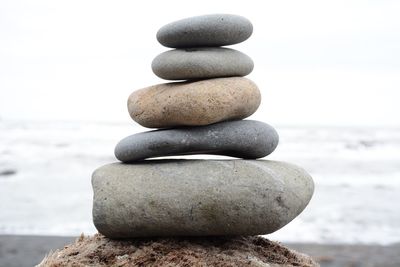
column 201, row 115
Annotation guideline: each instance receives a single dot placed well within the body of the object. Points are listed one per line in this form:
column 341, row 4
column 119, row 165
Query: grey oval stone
column 201, row 63
column 243, row 139
column 198, row 197
column 206, row 30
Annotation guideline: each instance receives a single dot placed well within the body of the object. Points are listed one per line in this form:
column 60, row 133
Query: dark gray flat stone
column 198, row 197
column 243, row 139
column 207, row 30
column 201, row 63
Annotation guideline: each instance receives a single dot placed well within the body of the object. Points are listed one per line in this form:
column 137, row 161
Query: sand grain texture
column 227, row 251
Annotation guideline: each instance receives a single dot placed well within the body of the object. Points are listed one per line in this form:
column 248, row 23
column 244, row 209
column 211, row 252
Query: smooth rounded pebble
column 243, row 139
column 206, row 30
column 194, row 103
column 198, row 197
column 201, row 63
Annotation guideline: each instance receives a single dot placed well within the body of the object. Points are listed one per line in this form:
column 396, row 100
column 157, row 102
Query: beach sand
column 20, row 251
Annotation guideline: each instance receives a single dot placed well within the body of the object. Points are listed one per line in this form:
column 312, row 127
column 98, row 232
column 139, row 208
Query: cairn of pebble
column 203, row 114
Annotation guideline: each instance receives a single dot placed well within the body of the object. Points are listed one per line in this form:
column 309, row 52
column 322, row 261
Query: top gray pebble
column 207, row 30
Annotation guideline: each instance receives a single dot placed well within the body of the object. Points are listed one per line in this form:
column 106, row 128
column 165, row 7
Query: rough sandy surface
column 24, row 251
column 223, row 251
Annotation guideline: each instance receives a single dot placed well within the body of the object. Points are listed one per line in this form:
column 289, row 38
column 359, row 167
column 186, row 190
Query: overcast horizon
column 316, row 63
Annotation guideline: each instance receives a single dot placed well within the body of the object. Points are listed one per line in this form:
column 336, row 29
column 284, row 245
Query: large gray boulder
column 198, row 197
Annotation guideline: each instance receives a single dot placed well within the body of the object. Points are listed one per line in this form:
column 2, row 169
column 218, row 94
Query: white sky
column 316, row 62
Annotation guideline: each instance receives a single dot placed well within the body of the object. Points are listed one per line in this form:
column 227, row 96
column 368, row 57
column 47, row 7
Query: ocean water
column 45, row 170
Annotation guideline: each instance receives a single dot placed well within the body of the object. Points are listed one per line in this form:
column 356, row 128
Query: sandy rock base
column 211, row 251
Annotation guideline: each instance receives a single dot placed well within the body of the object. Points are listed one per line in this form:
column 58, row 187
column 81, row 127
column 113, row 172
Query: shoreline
column 28, row 250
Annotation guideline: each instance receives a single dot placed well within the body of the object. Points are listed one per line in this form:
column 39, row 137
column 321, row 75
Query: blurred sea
column 45, row 171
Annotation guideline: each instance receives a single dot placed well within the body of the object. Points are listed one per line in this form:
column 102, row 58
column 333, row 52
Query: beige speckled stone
column 194, row 103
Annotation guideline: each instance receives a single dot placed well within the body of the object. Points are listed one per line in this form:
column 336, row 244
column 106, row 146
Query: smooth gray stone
column 207, row 30
column 201, row 63
column 198, row 197
column 243, row 139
